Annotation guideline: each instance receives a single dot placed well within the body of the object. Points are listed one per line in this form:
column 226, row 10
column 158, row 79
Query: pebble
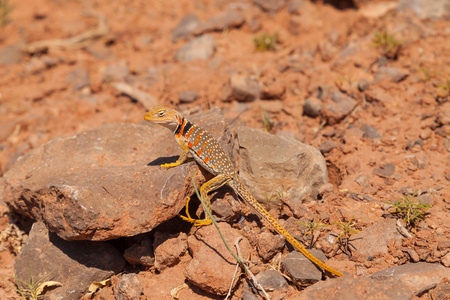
column 384, row 171
column 370, row 132
column 129, row 288
column 187, row 96
column 312, row 107
column 185, row 28
column 202, row 47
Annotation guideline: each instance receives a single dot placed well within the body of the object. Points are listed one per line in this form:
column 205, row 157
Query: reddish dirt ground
column 37, row 103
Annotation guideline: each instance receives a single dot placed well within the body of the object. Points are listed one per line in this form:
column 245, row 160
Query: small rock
column 168, row 249
column 363, row 85
column 327, row 146
column 294, row 6
column 420, row 160
column 269, row 244
column 226, row 209
column 270, row 6
column 10, row 55
column 75, row 264
column 413, row 255
column 362, row 180
column 78, row 79
column 370, row 132
column 212, row 266
column 342, row 106
column 384, row 171
column 202, row 47
column 271, row 280
column 360, row 197
column 411, row 143
column 140, row 254
column 426, row 199
column 185, row 28
column 392, row 73
column 312, row 107
column 425, row 8
column 242, row 88
column 188, row 96
column 374, row 239
column 100, row 51
column 227, row 20
column 301, row 268
column 378, row 95
column 129, row 288
column 116, row 72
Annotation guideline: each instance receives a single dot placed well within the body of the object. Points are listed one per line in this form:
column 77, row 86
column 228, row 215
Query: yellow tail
column 245, row 194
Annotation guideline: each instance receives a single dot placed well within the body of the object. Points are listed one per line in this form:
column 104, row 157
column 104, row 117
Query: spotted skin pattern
column 206, row 151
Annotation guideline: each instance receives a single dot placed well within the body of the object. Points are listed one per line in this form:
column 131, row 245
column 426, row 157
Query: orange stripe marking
column 182, row 128
column 199, row 152
column 189, row 144
column 206, row 160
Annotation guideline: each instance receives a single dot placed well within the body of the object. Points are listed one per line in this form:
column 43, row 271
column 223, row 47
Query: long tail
column 245, row 194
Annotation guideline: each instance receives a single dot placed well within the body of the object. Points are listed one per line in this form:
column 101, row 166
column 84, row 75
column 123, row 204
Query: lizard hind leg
column 207, row 187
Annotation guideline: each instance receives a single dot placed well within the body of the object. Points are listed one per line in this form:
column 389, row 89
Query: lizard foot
column 196, row 222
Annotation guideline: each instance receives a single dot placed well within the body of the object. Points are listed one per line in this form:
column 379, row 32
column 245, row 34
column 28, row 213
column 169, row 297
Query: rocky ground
column 366, row 83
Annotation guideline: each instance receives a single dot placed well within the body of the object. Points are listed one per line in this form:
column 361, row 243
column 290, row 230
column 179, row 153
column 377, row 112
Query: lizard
column 207, row 152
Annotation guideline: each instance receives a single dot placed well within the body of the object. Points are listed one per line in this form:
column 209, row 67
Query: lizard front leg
column 209, row 186
column 183, row 156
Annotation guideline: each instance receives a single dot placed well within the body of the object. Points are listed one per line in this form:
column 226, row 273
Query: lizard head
column 163, row 115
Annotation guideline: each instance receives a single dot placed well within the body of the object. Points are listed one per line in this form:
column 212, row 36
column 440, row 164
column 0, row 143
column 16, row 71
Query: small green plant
column 34, row 290
column 427, row 73
column 411, row 211
column 278, row 195
column 265, row 41
column 267, row 122
column 389, row 45
column 445, row 89
column 5, row 10
column 312, row 226
column 347, row 230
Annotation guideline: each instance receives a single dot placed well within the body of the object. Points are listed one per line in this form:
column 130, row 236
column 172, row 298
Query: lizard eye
column 161, row 113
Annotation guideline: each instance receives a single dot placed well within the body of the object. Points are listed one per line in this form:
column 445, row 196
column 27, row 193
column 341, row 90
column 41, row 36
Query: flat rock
column 271, row 6
column 370, row 132
column 384, row 171
column 271, row 163
column 392, row 73
column 342, row 106
column 185, row 28
column 229, row 19
column 426, row 8
column 75, row 264
column 272, row 280
column 187, row 96
column 202, row 47
column 402, row 282
column 301, row 269
column 106, row 183
column 374, row 239
column 242, row 88
column 78, row 79
column 416, row 276
column 140, row 253
column 212, row 266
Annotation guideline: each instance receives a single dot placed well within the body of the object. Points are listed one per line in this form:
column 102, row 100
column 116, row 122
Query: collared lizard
column 207, row 152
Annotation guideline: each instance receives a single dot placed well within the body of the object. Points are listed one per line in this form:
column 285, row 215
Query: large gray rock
column 426, row 8
column 222, row 21
column 105, row 183
column 75, row 264
column 270, row 164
